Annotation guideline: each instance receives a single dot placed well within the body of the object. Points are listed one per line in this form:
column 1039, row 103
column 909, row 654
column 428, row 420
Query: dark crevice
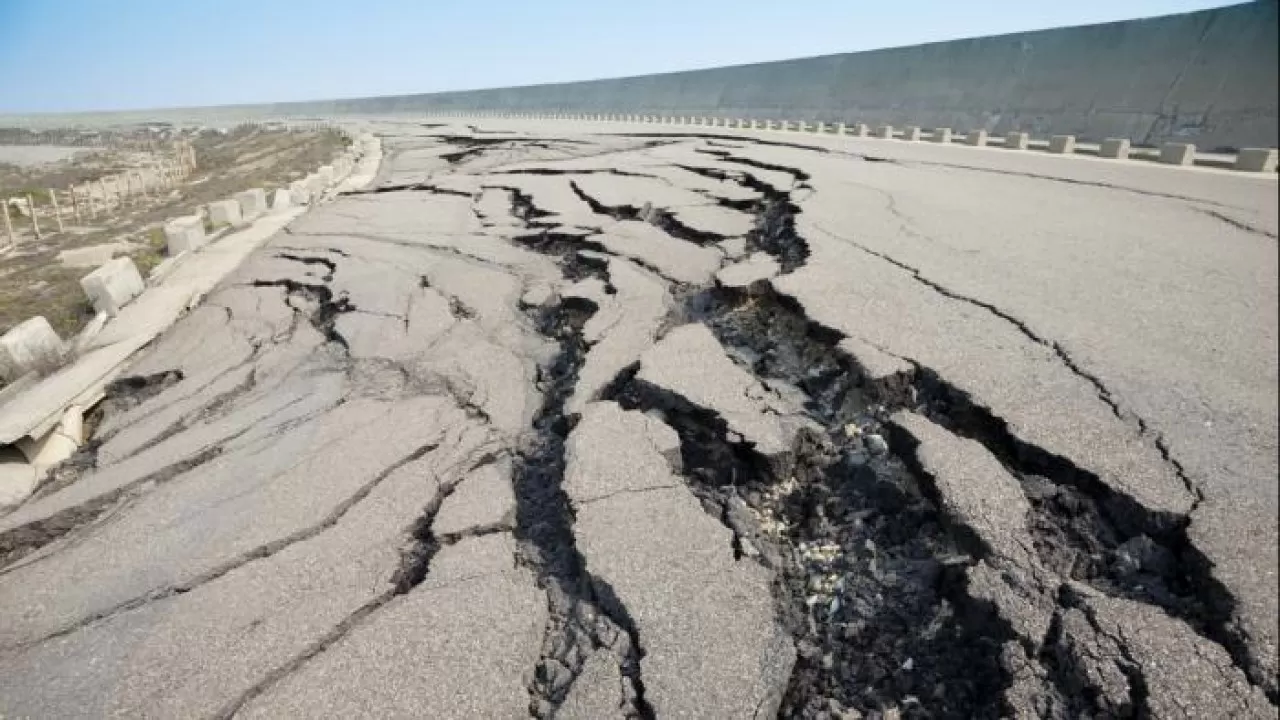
column 410, row 187
column 584, row 171
column 584, row 617
column 310, row 260
column 323, row 316
column 870, row 582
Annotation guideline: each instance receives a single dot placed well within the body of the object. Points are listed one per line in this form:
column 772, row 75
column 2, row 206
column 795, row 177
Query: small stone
column 852, row 430
column 876, row 444
column 909, row 665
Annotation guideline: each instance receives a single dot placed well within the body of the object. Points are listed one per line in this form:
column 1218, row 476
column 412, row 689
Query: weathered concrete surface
column 1208, row 77
column 557, row 423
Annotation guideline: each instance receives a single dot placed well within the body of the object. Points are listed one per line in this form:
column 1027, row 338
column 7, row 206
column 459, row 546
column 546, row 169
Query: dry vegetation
column 32, row 279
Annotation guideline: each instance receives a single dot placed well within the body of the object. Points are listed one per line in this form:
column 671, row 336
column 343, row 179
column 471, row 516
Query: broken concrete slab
column 482, row 501
column 112, row 286
column 690, row 363
column 30, row 346
column 672, row 568
column 753, row 272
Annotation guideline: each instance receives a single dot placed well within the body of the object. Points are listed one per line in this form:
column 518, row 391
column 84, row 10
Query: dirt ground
column 32, row 279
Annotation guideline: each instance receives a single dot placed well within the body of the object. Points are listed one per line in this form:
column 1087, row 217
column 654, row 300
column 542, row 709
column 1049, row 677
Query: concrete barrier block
column 1062, row 144
column 977, row 138
column 1177, row 153
column 755, row 124
column 821, row 128
column 1114, row 148
column 253, row 203
column 860, row 130
column 184, row 234
column 281, row 200
column 30, row 345
column 299, row 193
column 1017, row 141
column 225, row 212
column 113, row 285
column 942, row 135
column 1256, row 160
column 885, row 132
column 802, row 126
column 911, row 134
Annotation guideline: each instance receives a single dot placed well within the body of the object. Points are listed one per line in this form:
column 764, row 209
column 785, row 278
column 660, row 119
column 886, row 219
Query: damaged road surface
column 556, row 421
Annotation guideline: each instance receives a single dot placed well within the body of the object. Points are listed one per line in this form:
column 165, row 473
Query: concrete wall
column 1207, row 77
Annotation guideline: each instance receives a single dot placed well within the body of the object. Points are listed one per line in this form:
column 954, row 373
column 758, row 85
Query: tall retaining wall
column 1208, row 78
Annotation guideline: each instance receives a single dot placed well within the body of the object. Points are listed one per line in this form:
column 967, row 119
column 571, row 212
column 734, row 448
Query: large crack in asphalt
column 584, row 614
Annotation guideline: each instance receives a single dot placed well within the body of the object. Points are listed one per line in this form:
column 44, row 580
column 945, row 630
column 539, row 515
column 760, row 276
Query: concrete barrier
column 225, row 212
column 1172, row 153
column 113, row 285
column 860, row 130
column 912, row 133
column 1017, row 140
column 1117, row 148
column 184, row 234
column 281, row 199
column 1062, row 144
column 942, row 135
column 1208, row 77
column 253, row 203
column 885, row 132
column 1256, row 160
column 976, row 138
column 31, row 345
column 299, row 193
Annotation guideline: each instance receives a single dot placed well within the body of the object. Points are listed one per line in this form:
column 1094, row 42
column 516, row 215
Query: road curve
column 563, row 420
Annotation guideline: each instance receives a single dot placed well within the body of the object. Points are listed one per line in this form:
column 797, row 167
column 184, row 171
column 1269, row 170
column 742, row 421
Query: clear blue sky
column 62, row 55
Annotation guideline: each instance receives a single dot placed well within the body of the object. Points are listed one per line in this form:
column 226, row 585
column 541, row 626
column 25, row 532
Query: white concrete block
column 1062, row 144
column 859, row 130
column 281, row 199
column 113, row 285
column 942, row 135
column 821, row 128
column 253, row 203
column 1017, row 141
column 299, row 193
column 225, row 212
column 1117, row 148
column 885, row 132
column 911, row 134
column 1256, row 160
column 977, row 138
column 1177, row 153
column 184, row 234
column 30, row 345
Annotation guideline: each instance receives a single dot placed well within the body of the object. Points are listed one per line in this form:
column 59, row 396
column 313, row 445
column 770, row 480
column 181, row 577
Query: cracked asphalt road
column 559, row 421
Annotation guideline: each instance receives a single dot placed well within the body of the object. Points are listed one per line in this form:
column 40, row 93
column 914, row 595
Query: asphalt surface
column 590, row 421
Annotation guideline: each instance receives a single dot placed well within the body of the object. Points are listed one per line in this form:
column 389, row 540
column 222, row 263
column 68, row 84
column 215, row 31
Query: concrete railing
column 1170, row 153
